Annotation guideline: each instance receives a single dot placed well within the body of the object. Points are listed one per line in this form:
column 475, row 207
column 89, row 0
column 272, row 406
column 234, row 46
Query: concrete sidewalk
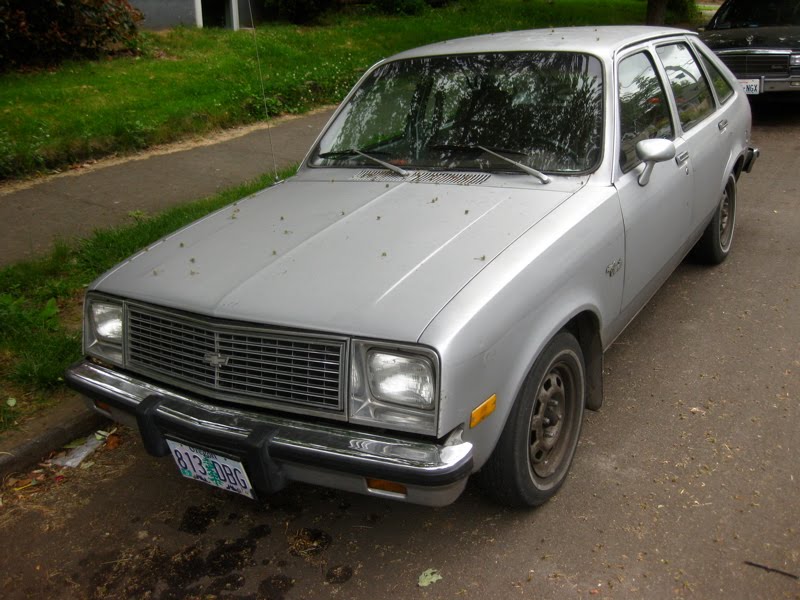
column 76, row 203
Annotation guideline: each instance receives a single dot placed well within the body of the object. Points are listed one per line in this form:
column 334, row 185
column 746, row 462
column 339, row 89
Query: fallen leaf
column 25, row 483
column 12, row 402
column 113, row 441
column 428, row 577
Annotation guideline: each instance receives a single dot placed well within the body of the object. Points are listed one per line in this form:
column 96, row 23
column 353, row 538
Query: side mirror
column 651, row 152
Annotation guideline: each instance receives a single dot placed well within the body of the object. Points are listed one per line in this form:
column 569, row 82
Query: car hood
column 361, row 258
column 787, row 37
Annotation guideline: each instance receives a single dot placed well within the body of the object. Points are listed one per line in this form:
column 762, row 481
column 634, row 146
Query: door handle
column 722, row 124
column 682, row 157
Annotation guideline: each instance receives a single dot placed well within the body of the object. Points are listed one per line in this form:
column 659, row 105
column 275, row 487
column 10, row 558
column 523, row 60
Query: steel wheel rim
column 552, row 421
column 727, row 218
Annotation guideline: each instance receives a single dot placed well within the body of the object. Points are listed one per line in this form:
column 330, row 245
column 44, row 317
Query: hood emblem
column 216, row 360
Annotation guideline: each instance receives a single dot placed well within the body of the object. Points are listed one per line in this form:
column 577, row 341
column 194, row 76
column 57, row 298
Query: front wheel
column 715, row 244
column 535, row 450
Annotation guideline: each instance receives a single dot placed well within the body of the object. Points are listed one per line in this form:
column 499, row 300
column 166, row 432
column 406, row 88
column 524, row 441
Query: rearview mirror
column 651, row 152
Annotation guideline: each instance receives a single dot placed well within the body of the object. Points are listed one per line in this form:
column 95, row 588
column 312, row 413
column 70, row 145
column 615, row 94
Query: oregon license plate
column 751, row 86
column 213, row 469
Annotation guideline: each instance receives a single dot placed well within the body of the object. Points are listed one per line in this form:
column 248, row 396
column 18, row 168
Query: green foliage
column 299, row 11
column 401, row 7
column 46, row 32
column 33, row 333
column 681, row 11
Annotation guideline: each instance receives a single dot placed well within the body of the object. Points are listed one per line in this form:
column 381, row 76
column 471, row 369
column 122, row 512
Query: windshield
column 750, row 13
column 541, row 109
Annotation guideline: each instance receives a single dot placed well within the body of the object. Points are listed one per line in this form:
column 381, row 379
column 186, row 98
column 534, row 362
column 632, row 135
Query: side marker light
column 483, row 411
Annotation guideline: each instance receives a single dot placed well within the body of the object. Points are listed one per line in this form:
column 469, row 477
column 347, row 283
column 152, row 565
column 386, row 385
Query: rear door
column 702, row 125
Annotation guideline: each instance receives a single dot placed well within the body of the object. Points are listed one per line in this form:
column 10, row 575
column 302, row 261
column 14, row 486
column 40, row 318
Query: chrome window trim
column 754, row 51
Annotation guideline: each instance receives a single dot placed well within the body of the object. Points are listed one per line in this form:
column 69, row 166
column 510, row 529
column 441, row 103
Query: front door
column 657, row 215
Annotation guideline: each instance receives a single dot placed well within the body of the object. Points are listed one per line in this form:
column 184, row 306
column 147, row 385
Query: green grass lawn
column 191, row 81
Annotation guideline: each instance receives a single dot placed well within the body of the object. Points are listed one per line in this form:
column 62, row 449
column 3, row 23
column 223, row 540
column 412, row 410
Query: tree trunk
column 656, row 12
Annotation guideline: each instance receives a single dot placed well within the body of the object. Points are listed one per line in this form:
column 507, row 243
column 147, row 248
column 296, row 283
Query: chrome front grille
column 756, row 65
column 266, row 367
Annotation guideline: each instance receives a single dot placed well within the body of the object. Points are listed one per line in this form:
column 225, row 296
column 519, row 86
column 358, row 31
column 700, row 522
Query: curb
column 57, row 426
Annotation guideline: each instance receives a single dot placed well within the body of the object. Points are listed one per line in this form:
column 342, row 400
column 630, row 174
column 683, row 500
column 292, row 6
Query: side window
column 643, row 107
column 689, row 86
column 724, row 89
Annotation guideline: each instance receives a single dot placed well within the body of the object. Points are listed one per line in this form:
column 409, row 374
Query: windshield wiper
column 354, row 152
column 496, row 152
column 530, row 170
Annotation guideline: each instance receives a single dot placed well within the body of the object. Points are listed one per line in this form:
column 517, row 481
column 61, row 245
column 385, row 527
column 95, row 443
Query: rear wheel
column 715, row 245
column 535, row 450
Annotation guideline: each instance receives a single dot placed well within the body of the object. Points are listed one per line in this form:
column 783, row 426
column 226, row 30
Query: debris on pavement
column 428, row 577
column 771, row 569
column 309, row 542
column 77, row 455
column 81, row 448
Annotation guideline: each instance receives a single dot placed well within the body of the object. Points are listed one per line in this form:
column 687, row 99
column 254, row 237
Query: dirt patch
column 339, row 574
column 309, row 542
column 197, row 519
column 275, row 587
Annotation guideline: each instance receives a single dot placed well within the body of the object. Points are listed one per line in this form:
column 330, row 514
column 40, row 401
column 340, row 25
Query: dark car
column 760, row 42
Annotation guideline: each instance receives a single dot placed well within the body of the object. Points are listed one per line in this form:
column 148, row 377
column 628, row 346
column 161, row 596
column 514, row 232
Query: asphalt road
column 690, row 469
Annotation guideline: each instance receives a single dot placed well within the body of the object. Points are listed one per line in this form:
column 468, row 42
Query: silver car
column 429, row 298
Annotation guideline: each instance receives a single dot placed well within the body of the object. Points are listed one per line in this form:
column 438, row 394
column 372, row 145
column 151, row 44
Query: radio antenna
column 263, row 93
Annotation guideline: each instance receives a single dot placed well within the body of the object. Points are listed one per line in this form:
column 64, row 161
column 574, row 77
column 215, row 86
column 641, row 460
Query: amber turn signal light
column 386, row 486
column 483, row 411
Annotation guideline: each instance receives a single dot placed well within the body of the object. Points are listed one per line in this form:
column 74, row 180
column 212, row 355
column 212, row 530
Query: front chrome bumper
column 276, row 449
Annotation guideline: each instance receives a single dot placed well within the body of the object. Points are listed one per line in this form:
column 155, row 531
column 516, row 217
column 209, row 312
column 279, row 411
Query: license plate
column 211, row 468
column 751, row 86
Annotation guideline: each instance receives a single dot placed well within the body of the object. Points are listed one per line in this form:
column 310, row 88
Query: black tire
column 535, row 450
column 715, row 244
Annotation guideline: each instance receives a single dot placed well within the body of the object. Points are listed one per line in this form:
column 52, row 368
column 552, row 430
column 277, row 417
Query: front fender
column 490, row 334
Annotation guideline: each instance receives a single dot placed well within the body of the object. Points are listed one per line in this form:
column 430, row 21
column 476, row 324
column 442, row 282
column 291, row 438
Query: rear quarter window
column 721, row 85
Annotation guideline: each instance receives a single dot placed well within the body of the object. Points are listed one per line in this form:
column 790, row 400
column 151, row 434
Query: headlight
column 107, row 321
column 394, row 386
column 794, row 60
column 400, row 379
column 103, row 329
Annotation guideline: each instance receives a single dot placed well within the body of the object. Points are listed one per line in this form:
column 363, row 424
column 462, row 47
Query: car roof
column 602, row 41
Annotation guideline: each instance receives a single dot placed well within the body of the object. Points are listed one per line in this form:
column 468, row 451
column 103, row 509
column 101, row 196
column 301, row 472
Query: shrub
column 47, row 32
column 401, row 7
column 299, row 11
column 681, row 11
